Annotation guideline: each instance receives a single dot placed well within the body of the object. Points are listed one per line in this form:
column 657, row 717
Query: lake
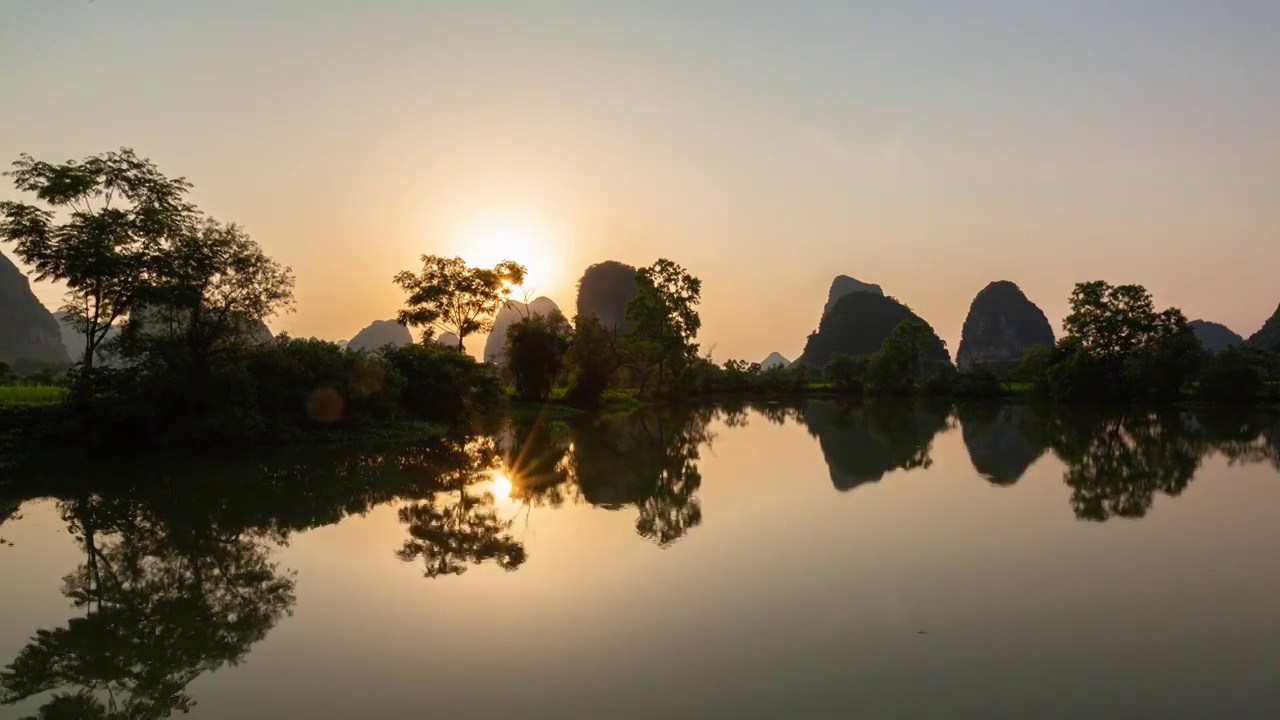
column 742, row 560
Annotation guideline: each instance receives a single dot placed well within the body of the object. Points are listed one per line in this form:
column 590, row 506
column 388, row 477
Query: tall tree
column 535, row 350
column 451, row 297
column 212, row 289
column 664, row 318
column 102, row 218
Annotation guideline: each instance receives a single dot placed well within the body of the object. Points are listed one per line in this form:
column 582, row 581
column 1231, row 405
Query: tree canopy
column 450, row 296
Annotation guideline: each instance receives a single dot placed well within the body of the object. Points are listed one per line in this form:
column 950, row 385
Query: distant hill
column 1268, row 338
column 858, row 324
column 1214, row 337
column 774, row 360
column 447, row 339
column 1002, row 325
column 604, row 291
column 509, row 315
column 27, row 329
column 381, row 332
column 843, row 285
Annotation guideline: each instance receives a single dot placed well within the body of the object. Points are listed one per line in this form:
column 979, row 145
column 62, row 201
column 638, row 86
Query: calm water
column 763, row 561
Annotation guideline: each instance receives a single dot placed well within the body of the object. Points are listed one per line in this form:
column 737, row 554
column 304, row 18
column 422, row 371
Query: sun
column 488, row 242
column 500, row 487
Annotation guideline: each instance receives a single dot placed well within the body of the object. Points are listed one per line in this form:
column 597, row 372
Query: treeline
column 177, row 300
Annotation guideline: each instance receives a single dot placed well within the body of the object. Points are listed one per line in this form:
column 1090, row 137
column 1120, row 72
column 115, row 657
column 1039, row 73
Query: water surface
column 760, row 560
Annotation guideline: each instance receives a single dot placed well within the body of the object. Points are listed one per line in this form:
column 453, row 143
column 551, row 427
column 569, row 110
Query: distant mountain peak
column 843, row 285
column 774, row 360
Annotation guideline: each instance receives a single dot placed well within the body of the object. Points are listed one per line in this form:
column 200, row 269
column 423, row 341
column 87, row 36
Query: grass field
column 28, row 395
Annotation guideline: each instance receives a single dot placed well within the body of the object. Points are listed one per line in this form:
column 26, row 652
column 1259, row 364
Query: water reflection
column 1002, row 440
column 455, row 526
column 649, row 461
column 861, row 443
column 166, row 597
column 176, row 576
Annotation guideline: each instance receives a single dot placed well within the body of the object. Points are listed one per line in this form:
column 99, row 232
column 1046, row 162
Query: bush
column 590, row 362
column 979, row 381
column 847, row 372
column 535, row 350
column 1230, row 377
column 441, row 384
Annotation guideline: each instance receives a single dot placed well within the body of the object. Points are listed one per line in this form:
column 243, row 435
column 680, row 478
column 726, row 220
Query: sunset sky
column 766, row 146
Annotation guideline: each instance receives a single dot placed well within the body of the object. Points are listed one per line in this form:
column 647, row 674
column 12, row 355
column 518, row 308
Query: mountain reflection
column 648, row 460
column 1002, row 440
column 861, row 443
column 176, row 578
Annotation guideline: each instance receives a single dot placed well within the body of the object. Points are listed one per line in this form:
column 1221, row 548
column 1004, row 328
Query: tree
column 1118, row 345
column 212, row 288
column 121, row 209
column 451, row 297
column 664, row 318
column 590, row 361
column 1230, row 377
column 846, row 372
column 535, row 352
column 893, row 370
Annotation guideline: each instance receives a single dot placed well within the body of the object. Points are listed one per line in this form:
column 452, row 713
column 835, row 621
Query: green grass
column 31, row 395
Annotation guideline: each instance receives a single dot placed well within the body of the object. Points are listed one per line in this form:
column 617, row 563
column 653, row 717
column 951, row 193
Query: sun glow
column 501, row 487
column 525, row 241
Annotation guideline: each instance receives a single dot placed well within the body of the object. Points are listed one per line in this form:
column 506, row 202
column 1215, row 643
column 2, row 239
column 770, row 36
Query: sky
column 928, row 147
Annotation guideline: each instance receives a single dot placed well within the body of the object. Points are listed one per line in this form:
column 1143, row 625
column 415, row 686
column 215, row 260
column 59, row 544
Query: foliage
column 31, row 395
column 121, row 212
column 847, row 372
column 441, row 384
column 211, row 289
column 534, row 352
column 1117, row 346
column 1230, row 377
column 664, row 320
column 590, row 361
column 451, row 297
column 893, row 369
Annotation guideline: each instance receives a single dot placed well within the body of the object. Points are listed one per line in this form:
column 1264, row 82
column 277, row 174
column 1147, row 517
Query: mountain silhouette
column 1214, row 337
column 511, row 314
column 1268, row 337
column 858, row 325
column 1002, row 325
column 27, row 330
column 381, row 332
column 774, row 360
column 604, row 291
column 843, row 285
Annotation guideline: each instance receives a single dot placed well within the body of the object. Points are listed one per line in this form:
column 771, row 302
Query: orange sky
column 765, row 147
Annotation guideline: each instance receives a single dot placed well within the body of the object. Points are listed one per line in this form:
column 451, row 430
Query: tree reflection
column 456, row 527
column 163, row 603
column 648, row 460
column 861, row 443
column 1002, row 440
column 1117, row 463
